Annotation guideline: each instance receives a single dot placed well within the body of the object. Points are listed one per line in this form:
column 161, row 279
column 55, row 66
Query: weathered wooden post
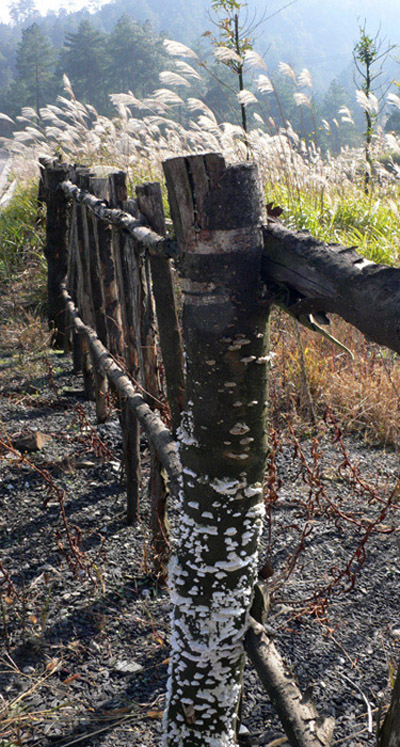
column 150, row 204
column 77, row 281
column 56, row 251
column 135, row 270
column 149, row 199
column 117, row 194
column 92, row 292
column 217, row 213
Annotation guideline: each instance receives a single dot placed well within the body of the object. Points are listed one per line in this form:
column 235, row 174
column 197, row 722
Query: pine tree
column 136, row 56
column 35, row 66
column 84, row 59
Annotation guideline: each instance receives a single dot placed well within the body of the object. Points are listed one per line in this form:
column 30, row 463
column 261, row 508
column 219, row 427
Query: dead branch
column 303, row 726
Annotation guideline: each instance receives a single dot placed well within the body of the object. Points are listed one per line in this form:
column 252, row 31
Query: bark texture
column 315, row 277
column 116, row 193
column 216, row 213
column 154, row 244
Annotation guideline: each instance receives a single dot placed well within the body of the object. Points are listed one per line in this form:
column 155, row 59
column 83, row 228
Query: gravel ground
column 83, row 660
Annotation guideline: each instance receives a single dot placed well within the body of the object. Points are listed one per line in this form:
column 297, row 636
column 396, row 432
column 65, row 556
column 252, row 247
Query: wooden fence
column 112, row 300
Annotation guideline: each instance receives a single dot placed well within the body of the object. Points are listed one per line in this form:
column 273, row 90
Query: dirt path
column 85, row 633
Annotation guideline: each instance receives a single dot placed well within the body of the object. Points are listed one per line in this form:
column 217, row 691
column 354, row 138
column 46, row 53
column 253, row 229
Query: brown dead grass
column 363, row 394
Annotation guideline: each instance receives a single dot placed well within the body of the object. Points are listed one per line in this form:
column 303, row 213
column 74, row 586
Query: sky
column 357, row 7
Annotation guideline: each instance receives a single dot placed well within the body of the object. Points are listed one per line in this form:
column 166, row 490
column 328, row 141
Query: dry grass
column 364, row 394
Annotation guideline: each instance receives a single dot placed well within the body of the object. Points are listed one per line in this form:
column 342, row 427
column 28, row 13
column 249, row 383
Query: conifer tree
column 35, row 66
column 84, row 59
column 136, row 57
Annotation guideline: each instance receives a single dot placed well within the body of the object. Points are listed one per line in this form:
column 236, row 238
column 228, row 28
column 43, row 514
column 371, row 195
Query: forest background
column 117, row 46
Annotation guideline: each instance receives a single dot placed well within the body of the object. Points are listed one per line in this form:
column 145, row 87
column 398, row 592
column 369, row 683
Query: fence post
column 56, row 250
column 117, row 194
column 92, row 294
column 72, row 284
column 79, row 269
column 217, row 213
column 150, row 205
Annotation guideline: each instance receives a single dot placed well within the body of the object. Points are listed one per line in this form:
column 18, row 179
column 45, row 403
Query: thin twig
column 367, row 703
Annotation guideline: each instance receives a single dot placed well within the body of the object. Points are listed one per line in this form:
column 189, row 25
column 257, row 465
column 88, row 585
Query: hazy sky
column 386, row 11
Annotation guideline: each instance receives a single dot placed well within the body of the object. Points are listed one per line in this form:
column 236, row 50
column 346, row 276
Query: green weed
column 21, row 233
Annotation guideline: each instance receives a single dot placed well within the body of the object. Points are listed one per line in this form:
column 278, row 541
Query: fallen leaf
column 155, row 714
column 52, row 665
column 71, row 678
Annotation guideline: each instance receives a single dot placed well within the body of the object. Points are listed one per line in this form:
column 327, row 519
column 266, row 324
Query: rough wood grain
column 117, row 195
column 56, row 250
column 311, row 276
column 151, row 206
column 216, row 212
column 153, row 243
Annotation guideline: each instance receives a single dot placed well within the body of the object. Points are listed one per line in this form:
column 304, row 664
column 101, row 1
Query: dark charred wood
column 150, row 204
column 56, row 250
column 216, row 212
column 305, row 275
column 116, row 192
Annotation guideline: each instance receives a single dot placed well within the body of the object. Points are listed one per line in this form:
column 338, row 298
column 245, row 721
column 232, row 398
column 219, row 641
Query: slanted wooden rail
column 111, row 295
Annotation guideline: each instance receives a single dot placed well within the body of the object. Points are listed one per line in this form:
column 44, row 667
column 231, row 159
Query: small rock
column 31, row 440
column 128, row 667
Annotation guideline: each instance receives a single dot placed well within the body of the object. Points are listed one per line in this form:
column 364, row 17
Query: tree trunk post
column 104, row 239
column 72, row 285
column 145, row 330
column 94, row 383
column 82, row 296
column 56, row 250
column 93, row 287
column 217, row 213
